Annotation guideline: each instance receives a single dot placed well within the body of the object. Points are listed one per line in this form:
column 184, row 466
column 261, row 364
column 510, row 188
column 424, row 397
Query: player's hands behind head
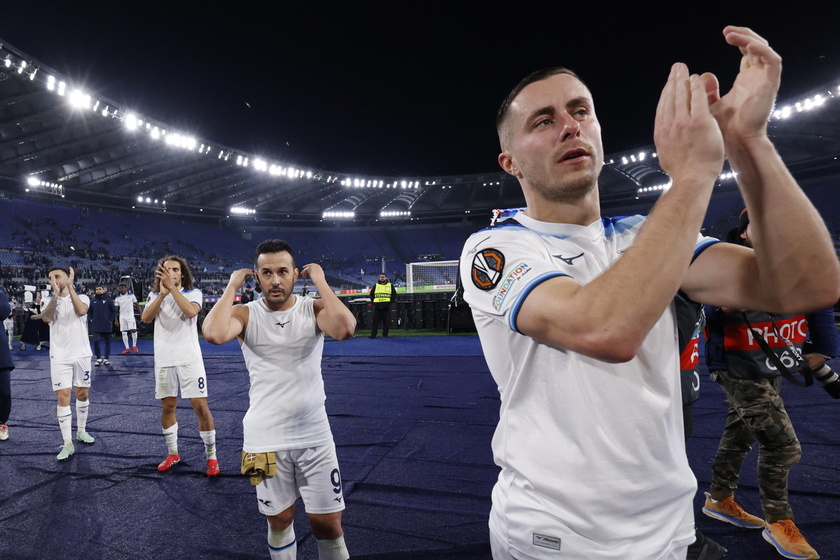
column 238, row 277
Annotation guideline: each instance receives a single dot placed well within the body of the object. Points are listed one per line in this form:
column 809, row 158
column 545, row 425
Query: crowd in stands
column 104, row 246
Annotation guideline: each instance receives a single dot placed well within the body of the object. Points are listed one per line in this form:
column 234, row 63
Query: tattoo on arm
column 48, row 314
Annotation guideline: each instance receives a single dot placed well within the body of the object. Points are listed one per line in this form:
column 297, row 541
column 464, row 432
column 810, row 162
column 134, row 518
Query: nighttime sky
column 400, row 88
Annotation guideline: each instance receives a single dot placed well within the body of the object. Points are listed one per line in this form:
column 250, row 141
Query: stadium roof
column 56, row 140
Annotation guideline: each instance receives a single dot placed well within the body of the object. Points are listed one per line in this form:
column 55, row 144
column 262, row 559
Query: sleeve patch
column 487, row 267
column 521, row 270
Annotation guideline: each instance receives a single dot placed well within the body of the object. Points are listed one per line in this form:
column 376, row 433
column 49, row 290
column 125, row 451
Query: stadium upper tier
column 59, row 141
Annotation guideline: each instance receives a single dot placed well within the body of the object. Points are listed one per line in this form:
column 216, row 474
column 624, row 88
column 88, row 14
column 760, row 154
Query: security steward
column 382, row 294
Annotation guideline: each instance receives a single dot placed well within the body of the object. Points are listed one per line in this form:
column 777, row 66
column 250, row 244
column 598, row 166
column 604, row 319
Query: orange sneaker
column 729, row 511
column 787, row 539
column 126, row 351
column 135, row 349
column 168, row 462
column 212, row 467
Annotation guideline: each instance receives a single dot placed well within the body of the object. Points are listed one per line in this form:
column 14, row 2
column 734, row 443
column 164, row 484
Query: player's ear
column 507, row 164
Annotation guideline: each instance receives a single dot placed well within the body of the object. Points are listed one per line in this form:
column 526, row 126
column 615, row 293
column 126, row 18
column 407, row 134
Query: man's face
column 383, row 279
column 59, row 278
column 99, row 290
column 277, row 275
column 554, row 139
column 122, row 290
column 174, row 270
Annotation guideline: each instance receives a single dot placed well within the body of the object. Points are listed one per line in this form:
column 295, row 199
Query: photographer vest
column 744, row 356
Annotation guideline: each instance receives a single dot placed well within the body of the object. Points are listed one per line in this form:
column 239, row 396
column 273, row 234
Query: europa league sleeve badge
column 487, row 267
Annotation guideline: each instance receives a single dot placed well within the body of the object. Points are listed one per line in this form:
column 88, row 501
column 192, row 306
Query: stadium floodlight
column 242, row 211
column 783, row 113
column 33, row 181
column 131, row 121
column 79, row 99
column 338, row 215
column 8, row 61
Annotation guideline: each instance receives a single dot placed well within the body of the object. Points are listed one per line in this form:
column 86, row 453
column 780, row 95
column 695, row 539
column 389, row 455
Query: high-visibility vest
column 382, row 293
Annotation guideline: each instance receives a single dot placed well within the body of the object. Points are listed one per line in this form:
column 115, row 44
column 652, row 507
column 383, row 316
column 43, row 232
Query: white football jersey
column 592, row 453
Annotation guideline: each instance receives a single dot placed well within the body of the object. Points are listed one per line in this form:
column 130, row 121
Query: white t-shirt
column 176, row 335
column 68, row 332
column 125, row 304
column 282, row 351
column 592, row 453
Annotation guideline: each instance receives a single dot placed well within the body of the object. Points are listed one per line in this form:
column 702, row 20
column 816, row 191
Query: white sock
column 334, row 549
column 125, row 339
column 170, row 436
column 65, row 422
column 134, row 338
column 82, row 415
column 209, row 439
column 282, row 544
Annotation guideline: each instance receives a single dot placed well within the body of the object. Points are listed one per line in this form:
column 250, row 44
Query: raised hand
column 743, row 112
column 238, row 277
column 314, row 272
column 688, row 140
column 56, row 285
column 165, row 285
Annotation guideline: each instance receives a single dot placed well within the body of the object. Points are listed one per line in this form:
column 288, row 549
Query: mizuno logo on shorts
column 546, row 542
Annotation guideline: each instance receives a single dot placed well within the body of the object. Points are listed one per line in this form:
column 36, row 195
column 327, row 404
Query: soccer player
column 127, row 305
column 174, row 304
column 66, row 315
column 282, row 339
column 575, row 312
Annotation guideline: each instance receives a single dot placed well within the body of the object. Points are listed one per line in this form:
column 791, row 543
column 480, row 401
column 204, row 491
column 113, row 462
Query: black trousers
column 5, row 394
column 381, row 314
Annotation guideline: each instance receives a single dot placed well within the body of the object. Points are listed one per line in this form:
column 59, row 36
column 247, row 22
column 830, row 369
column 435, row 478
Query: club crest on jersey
column 487, row 267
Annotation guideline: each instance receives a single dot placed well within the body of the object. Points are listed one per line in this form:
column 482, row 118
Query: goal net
column 432, row 276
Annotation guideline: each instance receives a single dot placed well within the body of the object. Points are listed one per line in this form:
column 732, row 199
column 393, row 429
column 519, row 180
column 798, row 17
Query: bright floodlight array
column 32, row 183
column 80, row 100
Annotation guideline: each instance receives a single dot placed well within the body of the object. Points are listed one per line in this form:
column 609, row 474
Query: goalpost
column 431, row 276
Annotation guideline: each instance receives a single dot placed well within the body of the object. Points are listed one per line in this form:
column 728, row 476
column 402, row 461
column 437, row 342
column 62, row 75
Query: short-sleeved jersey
column 584, row 446
column 282, row 351
column 125, row 305
column 176, row 335
column 69, row 339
